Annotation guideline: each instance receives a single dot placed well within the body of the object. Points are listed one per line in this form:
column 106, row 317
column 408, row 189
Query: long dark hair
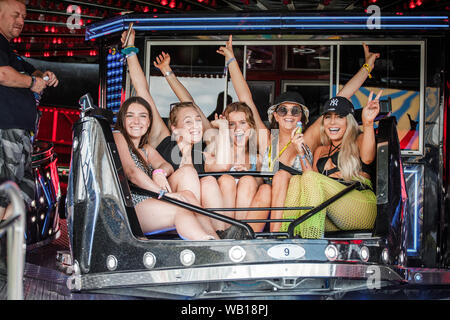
column 145, row 139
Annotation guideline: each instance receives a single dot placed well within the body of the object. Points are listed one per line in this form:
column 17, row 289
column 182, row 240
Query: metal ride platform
column 43, row 277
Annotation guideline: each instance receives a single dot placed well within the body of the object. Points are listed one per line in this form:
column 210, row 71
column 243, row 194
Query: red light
column 418, row 2
column 172, row 4
column 146, row 9
column 412, row 5
column 164, row 2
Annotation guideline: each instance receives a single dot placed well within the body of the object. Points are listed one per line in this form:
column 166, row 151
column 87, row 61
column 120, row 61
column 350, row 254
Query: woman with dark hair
column 179, row 143
column 145, row 167
column 281, row 156
column 344, row 158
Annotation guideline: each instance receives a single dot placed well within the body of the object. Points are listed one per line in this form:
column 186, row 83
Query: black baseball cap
column 340, row 105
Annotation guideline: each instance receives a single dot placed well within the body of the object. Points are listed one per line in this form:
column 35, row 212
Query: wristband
column 162, row 192
column 230, row 61
column 168, row 73
column 129, row 49
column 366, row 66
column 33, row 81
column 130, row 54
column 160, row 171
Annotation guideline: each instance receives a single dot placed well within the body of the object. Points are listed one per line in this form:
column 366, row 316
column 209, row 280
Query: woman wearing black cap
column 280, row 155
column 343, row 158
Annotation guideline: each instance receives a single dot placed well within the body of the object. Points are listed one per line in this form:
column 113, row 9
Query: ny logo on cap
column 334, row 102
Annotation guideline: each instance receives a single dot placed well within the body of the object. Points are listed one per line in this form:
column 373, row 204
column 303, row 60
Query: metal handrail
column 15, row 227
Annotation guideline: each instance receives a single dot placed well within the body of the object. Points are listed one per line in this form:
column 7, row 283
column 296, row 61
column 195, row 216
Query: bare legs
column 280, row 183
column 154, row 214
column 214, row 197
column 246, row 193
column 261, row 199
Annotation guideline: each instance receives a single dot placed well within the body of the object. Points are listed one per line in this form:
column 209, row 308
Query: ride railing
column 244, row 223
column 14, row 227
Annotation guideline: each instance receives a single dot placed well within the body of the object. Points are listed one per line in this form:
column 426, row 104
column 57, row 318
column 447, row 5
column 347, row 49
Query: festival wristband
column 366, row 66
column 230, row 61
column 160, row 171
column 129, row 49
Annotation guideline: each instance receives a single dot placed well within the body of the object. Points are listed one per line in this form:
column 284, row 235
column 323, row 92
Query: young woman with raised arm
column 145, row 168
column 181, row 146
column 344, row 158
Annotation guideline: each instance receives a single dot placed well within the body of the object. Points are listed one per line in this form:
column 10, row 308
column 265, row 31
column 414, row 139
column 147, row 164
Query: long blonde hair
column 349, row 161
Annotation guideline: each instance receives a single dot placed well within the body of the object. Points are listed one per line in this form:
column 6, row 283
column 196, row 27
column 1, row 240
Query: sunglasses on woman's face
column 283, row 111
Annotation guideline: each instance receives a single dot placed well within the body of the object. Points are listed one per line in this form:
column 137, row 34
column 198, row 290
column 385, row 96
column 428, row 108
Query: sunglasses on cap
column 283, row 111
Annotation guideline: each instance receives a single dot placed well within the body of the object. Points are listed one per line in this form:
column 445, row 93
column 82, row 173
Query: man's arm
column 10, row 77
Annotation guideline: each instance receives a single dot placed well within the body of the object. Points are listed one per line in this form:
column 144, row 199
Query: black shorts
column 15, row 163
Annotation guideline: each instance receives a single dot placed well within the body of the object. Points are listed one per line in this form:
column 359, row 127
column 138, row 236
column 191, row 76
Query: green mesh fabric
column 356, row 210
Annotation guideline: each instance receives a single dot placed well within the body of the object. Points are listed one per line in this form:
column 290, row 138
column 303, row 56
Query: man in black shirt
column 19, row 81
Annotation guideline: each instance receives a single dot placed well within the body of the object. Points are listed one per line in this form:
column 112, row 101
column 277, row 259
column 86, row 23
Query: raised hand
column 227, row 51
column 371, row 110
column 370, row 57
column 162, row 61
column 219, row 122
column 130, row 39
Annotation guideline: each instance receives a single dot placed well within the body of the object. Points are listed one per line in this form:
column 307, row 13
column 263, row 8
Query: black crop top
column 170, row 151
column 367, row 168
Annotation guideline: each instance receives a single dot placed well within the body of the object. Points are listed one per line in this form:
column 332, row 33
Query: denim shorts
column 15, row 163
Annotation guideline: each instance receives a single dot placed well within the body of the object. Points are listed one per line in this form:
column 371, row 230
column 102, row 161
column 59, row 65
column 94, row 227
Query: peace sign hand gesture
column 371, row 110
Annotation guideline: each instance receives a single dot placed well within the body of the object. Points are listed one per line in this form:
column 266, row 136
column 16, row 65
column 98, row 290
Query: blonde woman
column 344, row 158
